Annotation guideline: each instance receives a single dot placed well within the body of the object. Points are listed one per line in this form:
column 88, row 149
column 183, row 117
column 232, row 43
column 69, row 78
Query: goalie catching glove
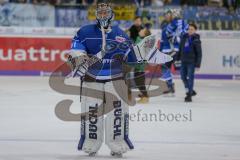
column 148, row 50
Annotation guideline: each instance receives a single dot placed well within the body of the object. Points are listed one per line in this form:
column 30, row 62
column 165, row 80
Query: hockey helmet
column 104, row 14
column 176, row 13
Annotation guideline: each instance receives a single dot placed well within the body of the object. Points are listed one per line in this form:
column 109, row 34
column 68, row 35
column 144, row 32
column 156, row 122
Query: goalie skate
column 92, row 154
column 116, row 155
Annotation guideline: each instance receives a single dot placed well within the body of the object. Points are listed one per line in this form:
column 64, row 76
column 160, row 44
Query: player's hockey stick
column 155, row 70
column 165, row 59
column 154, row 52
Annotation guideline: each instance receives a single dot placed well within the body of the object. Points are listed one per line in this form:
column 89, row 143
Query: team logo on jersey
column 120, row 39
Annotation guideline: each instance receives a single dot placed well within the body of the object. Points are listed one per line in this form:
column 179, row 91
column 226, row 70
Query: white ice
column 29, row 129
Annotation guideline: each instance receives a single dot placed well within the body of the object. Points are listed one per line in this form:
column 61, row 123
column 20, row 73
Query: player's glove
column 79, row 63
column 177, row 64
column 71, row 62
column 81, row 70
column 74, row 62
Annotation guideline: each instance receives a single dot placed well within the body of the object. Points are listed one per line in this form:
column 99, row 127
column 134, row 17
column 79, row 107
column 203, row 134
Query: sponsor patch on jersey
column 107, row 60
column 120, row 39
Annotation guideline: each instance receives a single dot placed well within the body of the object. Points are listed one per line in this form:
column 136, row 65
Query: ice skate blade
column 169, row 95
column 116, row 155
column 92, row 154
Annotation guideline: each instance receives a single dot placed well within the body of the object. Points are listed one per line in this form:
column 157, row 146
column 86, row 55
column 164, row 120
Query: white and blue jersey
column 172, row 34
column 118, row 50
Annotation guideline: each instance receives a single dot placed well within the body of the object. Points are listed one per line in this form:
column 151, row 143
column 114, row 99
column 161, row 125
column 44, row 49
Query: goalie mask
column 104, row 15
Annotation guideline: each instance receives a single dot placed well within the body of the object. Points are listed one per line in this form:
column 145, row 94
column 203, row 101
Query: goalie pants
column 116, row 119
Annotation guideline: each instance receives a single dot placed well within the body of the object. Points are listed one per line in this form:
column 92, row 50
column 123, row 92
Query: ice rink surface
column 29, row 129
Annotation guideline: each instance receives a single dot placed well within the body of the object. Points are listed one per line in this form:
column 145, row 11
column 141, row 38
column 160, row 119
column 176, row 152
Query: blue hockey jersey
column 118, row 50
column 171, row 35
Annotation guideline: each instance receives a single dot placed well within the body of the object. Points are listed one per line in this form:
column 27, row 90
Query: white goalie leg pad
column 117, row 120
column 91, row 125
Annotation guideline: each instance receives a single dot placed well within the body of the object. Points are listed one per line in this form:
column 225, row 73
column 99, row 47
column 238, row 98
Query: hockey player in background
column 172, row 32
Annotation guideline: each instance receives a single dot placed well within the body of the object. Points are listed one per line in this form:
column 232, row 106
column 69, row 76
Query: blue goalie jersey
column 118, row 50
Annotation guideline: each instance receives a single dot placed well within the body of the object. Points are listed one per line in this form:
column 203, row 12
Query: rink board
column 39, row 51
